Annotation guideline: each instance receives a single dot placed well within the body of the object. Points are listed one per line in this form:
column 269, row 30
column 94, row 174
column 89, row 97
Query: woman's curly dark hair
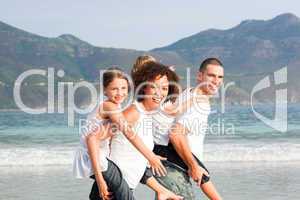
column 149, row 72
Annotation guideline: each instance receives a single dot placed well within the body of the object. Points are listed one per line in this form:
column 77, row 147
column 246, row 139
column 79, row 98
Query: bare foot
column 168, row 195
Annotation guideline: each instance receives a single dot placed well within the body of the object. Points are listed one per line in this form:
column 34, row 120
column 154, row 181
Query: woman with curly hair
column 152, row 87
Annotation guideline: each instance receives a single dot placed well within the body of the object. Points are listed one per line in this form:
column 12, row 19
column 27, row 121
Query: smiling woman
column 155, row 72
column 152, row 84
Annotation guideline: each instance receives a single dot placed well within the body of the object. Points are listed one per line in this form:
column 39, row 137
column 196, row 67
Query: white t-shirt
column 162, row 123
column 194, row 119
column 82, row 165
column 130, row 161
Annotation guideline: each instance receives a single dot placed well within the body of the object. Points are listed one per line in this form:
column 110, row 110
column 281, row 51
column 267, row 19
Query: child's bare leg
column 210, row 191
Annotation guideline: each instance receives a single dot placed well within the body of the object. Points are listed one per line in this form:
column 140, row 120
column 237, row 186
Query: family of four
column 157, row 140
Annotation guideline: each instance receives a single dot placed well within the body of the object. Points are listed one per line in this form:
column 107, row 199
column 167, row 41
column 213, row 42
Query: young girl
column 87, row 160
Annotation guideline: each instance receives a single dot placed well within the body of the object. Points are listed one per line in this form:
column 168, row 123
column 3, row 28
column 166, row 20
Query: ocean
column 246, row 158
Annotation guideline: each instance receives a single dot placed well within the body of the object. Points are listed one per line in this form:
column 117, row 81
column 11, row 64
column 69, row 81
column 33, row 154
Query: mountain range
column 249, row 51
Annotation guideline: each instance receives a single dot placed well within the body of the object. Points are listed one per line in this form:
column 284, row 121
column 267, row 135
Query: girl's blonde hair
column 140, row 61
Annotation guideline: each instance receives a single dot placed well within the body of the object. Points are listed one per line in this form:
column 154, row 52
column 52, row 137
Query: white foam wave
column 252, row 152
column 36, row 156
column 213, row 152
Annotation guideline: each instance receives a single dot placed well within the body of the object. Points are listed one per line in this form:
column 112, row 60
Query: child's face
column 156, row 91
column 117, row 90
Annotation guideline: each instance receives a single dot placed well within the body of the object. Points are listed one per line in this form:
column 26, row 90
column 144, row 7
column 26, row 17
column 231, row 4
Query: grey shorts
column 177, row 180
column 115, row 182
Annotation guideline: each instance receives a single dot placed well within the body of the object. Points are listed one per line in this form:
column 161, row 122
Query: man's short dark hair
column 209, row 61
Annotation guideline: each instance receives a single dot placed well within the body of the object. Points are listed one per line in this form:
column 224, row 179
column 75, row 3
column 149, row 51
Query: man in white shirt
column 186, row 136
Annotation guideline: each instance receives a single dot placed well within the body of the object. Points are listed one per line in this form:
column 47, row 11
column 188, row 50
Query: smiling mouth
column 156, row 99
column 212, row 87
column 118, row 98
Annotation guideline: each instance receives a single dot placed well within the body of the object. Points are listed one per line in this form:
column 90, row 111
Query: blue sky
column 136, row 24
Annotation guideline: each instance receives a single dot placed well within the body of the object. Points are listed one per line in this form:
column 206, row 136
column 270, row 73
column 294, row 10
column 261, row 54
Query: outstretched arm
column 93, row 141
column 178, row 138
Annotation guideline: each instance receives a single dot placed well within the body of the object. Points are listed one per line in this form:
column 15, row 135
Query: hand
column 196, row 174
column 157, row 167
column 103, row 191
column 168, row 195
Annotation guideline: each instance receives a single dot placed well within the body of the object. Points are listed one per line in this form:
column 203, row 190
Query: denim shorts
column 115, row 183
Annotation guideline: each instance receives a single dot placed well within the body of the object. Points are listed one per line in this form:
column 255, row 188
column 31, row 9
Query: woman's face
column 117, row 90
column 156, row 91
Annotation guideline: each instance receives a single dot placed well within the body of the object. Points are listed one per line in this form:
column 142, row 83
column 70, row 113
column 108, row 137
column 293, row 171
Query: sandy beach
column 235, row 181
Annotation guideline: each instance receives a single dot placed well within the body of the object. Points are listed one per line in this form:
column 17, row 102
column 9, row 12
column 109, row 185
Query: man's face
column 211, row 79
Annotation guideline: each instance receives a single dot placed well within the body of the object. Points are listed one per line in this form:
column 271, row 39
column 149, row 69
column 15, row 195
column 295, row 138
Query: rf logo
column 279, row 122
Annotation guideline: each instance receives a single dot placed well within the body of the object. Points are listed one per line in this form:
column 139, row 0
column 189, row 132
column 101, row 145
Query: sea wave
column 62, row 155
column 36, row 156
column 278, row 151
